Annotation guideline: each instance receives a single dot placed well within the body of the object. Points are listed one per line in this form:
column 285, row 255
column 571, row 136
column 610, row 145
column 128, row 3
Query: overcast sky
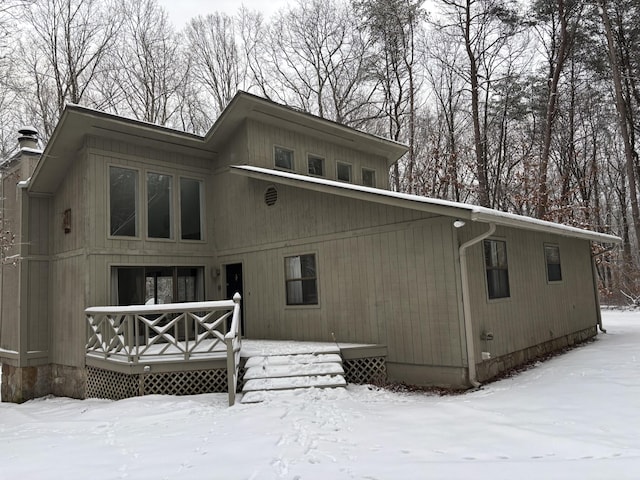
column 181, row 11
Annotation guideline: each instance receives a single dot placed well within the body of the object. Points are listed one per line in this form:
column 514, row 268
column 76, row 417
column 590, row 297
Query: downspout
column 466, row 302
column 596, row 294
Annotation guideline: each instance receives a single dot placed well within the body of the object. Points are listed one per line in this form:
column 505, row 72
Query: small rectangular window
column 301, row 280
column 159, row 205
column 283, row 158
column 552, row 256
column 123, row 202
column 343, row 172
column 368, row 177
column 316, row 165
column 190, row 209
column 495, row 257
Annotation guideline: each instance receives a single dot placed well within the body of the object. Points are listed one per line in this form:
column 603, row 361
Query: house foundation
column 20, row 384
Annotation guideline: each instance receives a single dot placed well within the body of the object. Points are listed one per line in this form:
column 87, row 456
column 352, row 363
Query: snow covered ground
column 576, row 416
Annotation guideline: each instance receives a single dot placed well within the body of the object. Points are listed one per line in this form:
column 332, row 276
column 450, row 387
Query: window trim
column 546, row 262
column 285, row 281
column 324, row 165
column 203, row 215
column 487, row 269
column 375, row 180
column 139, row 222
column 350, row 165
column 293, row 158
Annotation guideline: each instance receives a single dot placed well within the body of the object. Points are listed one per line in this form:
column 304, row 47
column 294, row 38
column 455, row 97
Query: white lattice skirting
column 366, row 370
column 117, row 386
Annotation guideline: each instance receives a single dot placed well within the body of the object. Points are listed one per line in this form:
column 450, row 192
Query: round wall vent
column 271, row 196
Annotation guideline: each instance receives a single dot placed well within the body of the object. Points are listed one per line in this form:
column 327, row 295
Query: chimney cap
column 28, row 131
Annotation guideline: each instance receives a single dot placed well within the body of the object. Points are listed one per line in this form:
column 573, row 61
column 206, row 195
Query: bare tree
column 70, row 40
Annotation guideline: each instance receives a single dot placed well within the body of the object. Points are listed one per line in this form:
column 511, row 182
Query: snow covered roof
column 463, row 211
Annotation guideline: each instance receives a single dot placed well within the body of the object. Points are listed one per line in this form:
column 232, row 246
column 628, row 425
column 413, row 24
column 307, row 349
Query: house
column 292, row 211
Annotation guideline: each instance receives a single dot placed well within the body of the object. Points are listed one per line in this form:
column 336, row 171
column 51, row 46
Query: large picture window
column 123, row 202
column 157, row 285
column 301, row 280
column 159, row 201
column 190, row 209
column 495, row 257
column 552, row 256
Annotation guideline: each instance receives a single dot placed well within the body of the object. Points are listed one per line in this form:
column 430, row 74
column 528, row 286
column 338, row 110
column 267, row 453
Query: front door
column 233, row 274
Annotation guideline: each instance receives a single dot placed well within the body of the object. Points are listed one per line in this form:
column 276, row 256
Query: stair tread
column 292, row 359
column 262, row 395
column 288, row 383
column 285, row 370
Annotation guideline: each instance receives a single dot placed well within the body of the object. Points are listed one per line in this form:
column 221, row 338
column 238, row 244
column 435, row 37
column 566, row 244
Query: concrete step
column 277, row 371
column 290, row 383
column 306, row 358
column 263, row 395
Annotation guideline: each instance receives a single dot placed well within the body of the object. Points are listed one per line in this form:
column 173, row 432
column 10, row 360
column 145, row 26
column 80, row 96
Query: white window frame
column 293, row 158
column 338, row 164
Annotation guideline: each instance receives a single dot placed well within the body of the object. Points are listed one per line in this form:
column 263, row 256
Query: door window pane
column 123, row 201
column 190, row 209
column 159, row 215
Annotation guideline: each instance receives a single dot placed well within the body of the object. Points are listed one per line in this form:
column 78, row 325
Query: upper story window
column 283, row 158
column 123, row 202
column 162, row 202
column 315, row 165
column 343, row 172
column 190, row 209
column 552, row 256
column 368, row 177
column 495, row 257
column 159, row 205
column 301, row 280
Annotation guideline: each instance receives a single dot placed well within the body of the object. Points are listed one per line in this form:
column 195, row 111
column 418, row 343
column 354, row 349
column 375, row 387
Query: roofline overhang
column 245, row 105
column 456, row 210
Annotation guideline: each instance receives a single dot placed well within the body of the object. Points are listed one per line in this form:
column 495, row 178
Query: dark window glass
column 495, row 256
column 368, row 177
column 283, row 158
column 157, row 285
column 123, row 201
column 301, row 281
column 343, row 172
column 190, row 214
column 316, row 165
column 552, row 255
column 159, row 189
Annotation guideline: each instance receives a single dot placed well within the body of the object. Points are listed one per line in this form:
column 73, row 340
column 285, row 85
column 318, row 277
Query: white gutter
column 466, row 302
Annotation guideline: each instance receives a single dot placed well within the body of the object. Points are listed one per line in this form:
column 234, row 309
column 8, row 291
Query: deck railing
column 170, row 332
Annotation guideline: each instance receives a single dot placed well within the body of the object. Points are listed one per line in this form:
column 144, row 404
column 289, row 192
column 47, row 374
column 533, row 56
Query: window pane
column 495, row 256
column 344, row 172
column 301, row 283
column 283, row 158
column 368, row 177
column 159, row 189
column 552, row 255
column 123, row 201
column 316, row 165
column 158, row 285
column 129, row 286
column 190, row 215
column 190, row 284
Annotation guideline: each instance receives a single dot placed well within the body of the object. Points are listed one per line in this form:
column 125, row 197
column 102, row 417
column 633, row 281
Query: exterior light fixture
column 459, row 223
